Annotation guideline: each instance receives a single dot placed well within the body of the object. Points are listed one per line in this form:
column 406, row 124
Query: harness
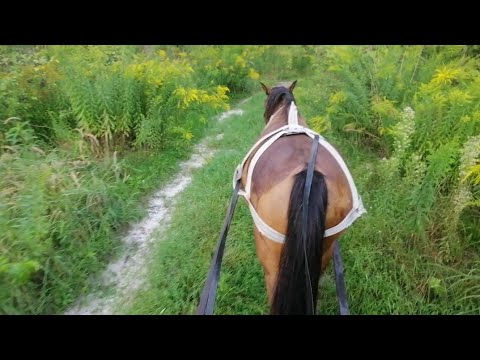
column 293, row 128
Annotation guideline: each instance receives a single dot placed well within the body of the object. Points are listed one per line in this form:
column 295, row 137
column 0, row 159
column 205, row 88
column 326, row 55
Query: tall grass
column 87, row 131
column 414, row 108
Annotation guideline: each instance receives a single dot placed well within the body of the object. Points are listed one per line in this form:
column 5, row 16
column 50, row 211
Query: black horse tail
column 292, row 292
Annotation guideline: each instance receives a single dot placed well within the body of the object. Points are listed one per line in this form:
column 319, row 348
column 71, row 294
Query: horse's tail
column 292, row 292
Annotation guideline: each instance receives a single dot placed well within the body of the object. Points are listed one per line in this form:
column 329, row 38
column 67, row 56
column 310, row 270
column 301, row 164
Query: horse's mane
column 278, row 94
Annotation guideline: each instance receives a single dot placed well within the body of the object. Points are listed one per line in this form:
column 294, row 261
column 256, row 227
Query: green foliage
column 61, row 213
column 85, row 131
column 417, row 107
column 185, row 254
column 70, row 117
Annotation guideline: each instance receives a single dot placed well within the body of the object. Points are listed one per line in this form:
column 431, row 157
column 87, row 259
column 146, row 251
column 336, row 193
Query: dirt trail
column 125, row 276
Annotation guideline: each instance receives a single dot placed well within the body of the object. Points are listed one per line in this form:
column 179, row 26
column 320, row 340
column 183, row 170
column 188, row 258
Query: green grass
column 183, row 258
column 385, row 272
column 69, row 234
column 57, row 232
column 63, row 210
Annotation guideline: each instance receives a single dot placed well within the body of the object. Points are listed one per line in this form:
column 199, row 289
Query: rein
column 306, row 196
column 209, row 293
column 340, row 280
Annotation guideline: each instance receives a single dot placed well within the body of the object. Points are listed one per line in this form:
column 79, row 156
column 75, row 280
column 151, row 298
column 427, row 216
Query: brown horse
column 275, row 194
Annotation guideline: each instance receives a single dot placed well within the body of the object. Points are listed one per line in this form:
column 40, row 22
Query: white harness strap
column 293, row 115
column 293, row 128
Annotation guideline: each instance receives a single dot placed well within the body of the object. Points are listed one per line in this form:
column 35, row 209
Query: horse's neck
column 278, row 119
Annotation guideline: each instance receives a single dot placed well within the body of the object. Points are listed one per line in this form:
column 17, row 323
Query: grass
column 62, row 211
column 64, row 215
column 82, row 233
column 183, row 258
column 385, row 272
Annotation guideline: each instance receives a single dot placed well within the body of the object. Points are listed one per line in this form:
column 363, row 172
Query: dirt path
column 125, row 276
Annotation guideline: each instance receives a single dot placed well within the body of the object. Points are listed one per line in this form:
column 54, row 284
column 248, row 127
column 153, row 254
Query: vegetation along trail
column 116, row 167
column 125, row 276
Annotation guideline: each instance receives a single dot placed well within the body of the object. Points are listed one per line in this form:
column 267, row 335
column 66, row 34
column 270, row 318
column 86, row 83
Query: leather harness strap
column 306, row 197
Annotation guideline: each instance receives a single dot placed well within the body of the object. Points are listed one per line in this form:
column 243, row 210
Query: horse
column 273, row 176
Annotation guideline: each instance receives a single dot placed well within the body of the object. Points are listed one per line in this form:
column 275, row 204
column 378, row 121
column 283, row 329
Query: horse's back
column 273, row 178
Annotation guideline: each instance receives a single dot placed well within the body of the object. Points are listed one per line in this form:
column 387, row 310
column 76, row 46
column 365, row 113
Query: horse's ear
column 292, row 86
column 265, row 88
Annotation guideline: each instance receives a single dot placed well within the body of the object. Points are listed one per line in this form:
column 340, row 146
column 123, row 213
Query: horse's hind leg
column 268, row 252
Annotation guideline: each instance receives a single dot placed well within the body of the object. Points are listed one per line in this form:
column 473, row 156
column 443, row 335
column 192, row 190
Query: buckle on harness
column 237, row 175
